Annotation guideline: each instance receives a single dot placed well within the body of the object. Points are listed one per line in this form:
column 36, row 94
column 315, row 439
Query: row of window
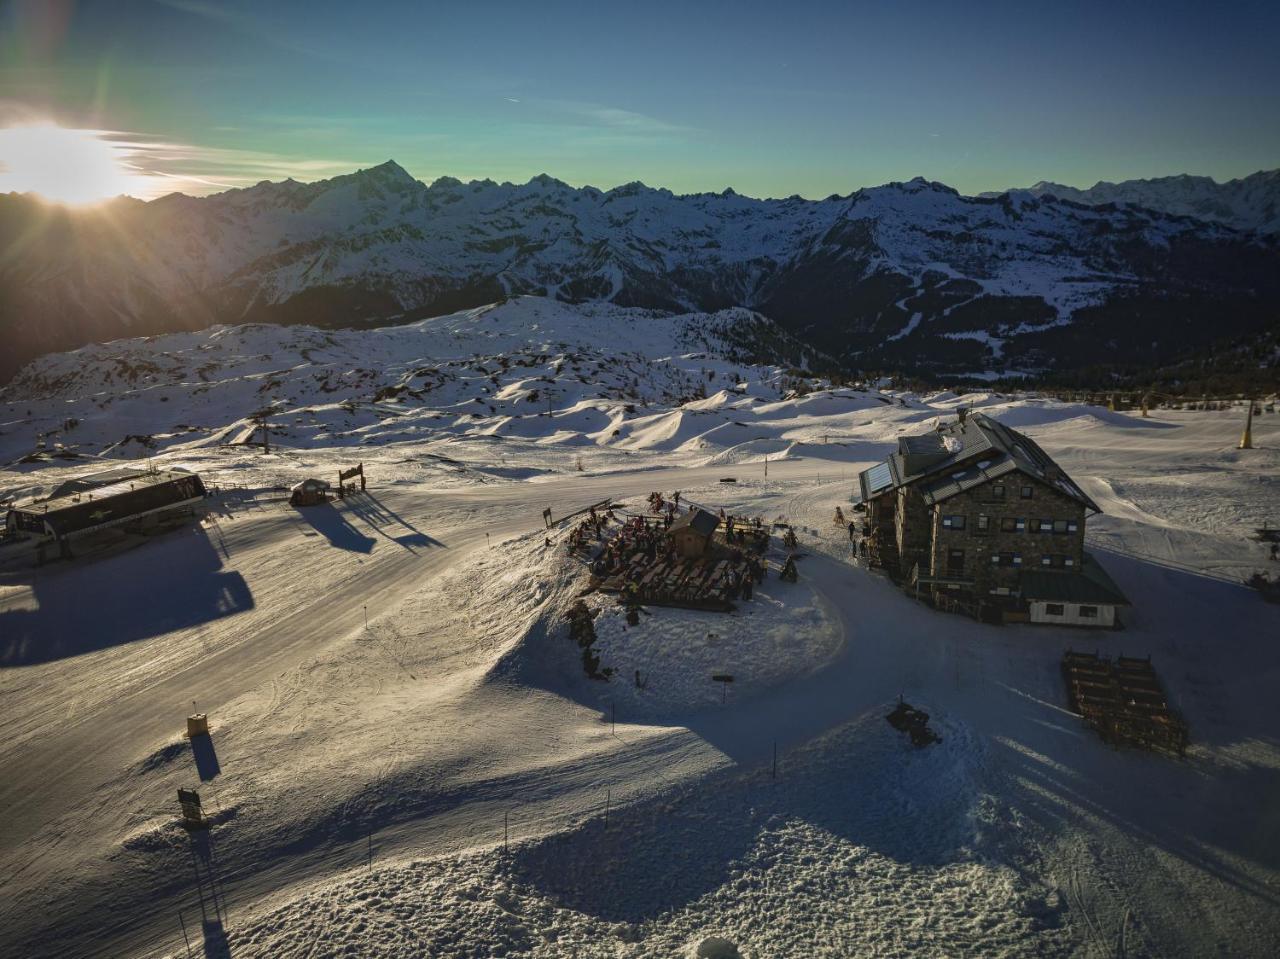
column 1051, row 560
column 998, row 491
column 1012, row 524
column 1060, row 609
column 955, row 560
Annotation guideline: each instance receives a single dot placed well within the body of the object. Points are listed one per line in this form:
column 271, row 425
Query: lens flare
column 68, row 165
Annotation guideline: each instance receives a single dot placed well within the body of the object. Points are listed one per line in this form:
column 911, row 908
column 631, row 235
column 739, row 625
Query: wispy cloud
column 628, row 120
column 140, row 165
column 248, row 25
column 596, row 124
column 195, row 168
column 615, row 118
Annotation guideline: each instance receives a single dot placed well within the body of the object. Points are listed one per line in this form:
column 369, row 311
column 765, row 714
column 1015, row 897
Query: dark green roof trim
column 1090, row 584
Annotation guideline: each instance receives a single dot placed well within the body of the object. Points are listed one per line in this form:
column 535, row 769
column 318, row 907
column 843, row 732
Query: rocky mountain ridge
column 1246, row 203
column 908, row 276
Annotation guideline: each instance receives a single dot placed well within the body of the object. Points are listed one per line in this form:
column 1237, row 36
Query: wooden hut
column 691, row 533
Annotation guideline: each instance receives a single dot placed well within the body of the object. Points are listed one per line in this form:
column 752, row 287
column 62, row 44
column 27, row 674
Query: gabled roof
column 1091, row 584
column 963, row 454
column 698, row 520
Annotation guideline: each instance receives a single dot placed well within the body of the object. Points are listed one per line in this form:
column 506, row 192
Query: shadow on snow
column 174, row 582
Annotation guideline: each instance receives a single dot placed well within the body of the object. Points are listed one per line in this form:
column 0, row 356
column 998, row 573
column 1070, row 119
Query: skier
column 789, row 570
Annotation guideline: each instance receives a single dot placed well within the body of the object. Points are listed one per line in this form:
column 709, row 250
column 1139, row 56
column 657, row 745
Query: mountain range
column 908, row 276
column 1248, row 203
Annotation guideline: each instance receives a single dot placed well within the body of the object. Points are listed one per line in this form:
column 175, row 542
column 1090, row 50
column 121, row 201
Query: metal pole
column 366, row 616
column 505, row 828
column 608, row 799
column 184, row 933
column 613, row 717
column 1246, row 440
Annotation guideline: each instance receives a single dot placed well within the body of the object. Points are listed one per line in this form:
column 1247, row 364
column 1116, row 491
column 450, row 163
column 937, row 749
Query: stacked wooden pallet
column 1123, row 700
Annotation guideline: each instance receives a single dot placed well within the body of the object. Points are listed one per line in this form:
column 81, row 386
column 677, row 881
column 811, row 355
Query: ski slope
column 363, row 777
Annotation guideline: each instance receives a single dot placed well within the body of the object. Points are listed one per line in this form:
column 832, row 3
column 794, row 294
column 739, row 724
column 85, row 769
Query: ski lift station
column 129, row 497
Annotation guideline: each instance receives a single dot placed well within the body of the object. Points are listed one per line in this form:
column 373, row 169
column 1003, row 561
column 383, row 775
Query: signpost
column 192, row 814
column 724, row 679
column 344, row 475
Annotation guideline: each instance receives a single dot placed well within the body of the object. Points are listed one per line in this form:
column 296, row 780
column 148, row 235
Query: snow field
column 862, row 845
column 463, row 699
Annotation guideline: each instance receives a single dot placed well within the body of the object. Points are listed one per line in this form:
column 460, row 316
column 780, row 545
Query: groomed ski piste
column 406, row 757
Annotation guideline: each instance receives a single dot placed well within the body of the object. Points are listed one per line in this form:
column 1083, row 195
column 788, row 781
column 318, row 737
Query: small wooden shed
column 310, row 492
column 691, row 533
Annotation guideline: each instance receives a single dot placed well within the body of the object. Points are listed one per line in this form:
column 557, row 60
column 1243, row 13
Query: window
column 1044, row 526
column 997, row 491
column 983, row 522
column 1059, row 526
column 1088, row 612
column 1027, row 492
column 953, row 522
column 1072, row 526
column 1046, row 560
column 1055, row 609
column 1012, row 524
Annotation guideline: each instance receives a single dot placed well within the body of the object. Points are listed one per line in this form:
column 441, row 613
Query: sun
column 67, row 165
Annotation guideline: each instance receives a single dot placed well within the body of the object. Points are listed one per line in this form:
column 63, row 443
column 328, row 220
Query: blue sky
column 771, row 99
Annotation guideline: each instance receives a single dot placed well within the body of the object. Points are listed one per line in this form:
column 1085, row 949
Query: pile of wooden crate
column 1123, row 700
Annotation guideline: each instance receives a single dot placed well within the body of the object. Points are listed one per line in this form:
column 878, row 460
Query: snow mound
column 714, row 947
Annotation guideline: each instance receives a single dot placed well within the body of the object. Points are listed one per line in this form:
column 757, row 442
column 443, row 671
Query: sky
column 771, row 99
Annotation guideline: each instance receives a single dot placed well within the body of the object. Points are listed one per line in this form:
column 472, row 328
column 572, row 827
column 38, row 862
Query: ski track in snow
column 362, row 775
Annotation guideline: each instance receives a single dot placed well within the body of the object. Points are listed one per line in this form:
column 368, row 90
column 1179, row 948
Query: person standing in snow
column 851, row 529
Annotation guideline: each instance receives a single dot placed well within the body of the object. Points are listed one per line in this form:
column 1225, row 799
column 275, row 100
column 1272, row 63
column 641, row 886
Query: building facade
column 965, row 514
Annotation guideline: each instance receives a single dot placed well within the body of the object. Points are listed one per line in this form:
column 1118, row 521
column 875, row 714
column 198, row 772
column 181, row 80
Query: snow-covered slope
column 907, row 274
column 529, row 369
column 406, row 758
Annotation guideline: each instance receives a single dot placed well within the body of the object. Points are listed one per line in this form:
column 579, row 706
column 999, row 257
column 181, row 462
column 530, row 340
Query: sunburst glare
column 70, row 165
